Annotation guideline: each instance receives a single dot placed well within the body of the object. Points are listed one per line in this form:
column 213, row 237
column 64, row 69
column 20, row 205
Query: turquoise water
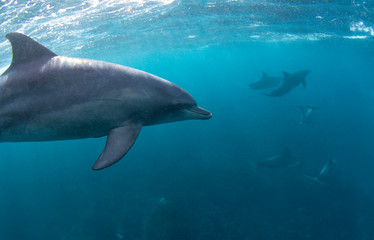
column 200, row 179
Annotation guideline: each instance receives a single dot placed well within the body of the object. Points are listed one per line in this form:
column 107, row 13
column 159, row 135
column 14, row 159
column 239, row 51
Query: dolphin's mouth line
column 199, row 112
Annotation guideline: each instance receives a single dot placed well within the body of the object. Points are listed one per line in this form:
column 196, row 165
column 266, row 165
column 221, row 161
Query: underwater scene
column 264, row 129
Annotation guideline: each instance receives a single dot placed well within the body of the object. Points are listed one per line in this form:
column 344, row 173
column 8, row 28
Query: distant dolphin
column 290, row 81
column 46, row 97
column 266, row 81
column 325, row 171
column 119, row 236
column 306, row 113
column 283, row 159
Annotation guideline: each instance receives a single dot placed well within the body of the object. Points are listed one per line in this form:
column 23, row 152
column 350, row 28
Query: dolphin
column 290, row 81
column 306, row 113
column 327, row 168
column 265, row 81
column 325, row 171
column 46, row 97
column 283, row 159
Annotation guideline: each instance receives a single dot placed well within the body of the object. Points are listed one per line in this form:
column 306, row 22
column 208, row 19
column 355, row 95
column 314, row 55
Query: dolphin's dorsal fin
column 26, row 49
column 286, row 153
column 118, row 143
column 286, row 75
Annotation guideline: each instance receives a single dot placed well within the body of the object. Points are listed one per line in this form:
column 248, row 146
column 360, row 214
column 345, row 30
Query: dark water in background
column 200, row 179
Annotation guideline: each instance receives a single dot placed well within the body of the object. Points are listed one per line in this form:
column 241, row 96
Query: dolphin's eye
column 178, row 105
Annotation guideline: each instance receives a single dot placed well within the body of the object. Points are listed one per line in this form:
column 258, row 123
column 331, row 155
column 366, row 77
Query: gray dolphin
column 46, row 97
column 325, row 171
column 290, row 81
column 306, row 114
column 283, row 159
column 265, row 81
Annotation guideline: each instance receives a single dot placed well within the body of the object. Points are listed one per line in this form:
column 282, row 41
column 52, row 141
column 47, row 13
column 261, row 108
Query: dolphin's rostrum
column 45, row 97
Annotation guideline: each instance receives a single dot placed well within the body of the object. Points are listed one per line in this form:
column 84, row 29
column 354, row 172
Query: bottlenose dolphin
column 46, row 97
column 290, row 81
column 306, row 113
column 325, row 171
column 265, row 81
column 283, row 159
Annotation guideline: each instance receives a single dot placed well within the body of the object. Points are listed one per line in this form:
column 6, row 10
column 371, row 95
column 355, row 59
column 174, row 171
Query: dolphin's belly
column 91, row 119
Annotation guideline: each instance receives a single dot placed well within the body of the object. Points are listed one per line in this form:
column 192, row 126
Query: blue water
column 200, row 179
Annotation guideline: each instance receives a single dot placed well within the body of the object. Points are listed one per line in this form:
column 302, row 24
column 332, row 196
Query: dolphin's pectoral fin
column 118, row 143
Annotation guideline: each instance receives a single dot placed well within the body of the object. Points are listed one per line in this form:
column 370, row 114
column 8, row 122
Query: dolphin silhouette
column 283, row 159
column 46, row 97
column 325, row 171
column 306, row 114
column 290, row 81
column 265, row 81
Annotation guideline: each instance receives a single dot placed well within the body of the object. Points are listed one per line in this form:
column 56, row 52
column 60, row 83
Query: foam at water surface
column 90, row 23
